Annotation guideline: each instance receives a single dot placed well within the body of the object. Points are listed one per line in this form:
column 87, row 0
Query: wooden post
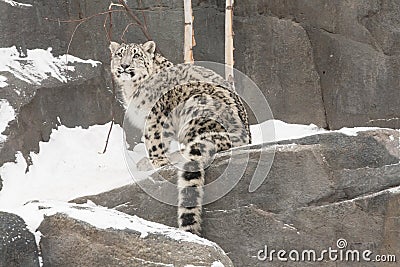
column 189, row 33
column 229, row 61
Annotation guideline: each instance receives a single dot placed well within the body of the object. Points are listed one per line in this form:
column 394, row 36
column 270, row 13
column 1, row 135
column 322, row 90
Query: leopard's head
column 131, row 64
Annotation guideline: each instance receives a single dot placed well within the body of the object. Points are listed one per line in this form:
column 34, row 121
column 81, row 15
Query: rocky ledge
column 320, row 189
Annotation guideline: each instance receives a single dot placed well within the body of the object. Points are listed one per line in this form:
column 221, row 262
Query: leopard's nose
column 125, row 66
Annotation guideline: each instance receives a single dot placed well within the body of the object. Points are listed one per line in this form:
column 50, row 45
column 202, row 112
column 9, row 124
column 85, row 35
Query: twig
column 143, row 15
column 142, row 26
column 72, row 36
column 85, row 18
column 125, row 30
column 109, row 37
column 108, row 136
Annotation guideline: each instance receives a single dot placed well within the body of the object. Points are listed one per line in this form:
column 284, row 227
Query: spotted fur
column 187, row 103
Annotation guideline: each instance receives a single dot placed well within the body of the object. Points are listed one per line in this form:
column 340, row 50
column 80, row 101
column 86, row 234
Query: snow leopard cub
column 187, row 103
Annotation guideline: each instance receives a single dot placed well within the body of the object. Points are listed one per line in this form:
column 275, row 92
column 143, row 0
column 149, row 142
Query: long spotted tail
column 191, row 178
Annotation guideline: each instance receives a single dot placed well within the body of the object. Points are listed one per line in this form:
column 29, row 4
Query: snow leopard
column 187, row 103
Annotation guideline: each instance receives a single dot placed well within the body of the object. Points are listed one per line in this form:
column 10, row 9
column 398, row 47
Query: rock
column 355, row 52
column 17, row 244
column 367, row 223
column 82, row 100
column 362, row 95
column 331, row 64
column 69, row 241
column 288, row 80
column 313, row 174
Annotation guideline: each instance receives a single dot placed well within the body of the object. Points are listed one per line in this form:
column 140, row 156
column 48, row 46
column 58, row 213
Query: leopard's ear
column 114, row 46
column 149, row 47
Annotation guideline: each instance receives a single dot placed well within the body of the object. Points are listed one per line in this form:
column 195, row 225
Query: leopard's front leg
column 157, row 138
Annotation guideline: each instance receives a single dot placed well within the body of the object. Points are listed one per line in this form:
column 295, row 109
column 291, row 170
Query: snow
column 67, row 167
column 7, row 114
column 102, row 218
column 3, row 81
column 263, row 132
column 214, row 264
column 38, row 64
column 276, row 130
column 354, row 131
column 395, row 190
column 16, row 4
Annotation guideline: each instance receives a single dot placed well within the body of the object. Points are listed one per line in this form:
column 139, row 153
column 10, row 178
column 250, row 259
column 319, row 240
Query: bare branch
column 72, row 36
column 135, row 18
column 85, row 18
column 125, row 30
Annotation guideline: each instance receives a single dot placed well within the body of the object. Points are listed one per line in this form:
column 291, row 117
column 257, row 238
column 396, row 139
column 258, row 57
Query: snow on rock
column 38, row 64
column 395, row 190
column 217, row 264
column 276, row 130
column 16, row 4
column 103, row 218
column 70, row 165
column 214, row 264
column 7, row 114
column 3, row 81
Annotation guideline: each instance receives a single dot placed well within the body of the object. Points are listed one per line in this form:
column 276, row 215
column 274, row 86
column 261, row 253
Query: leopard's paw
column 144, row 165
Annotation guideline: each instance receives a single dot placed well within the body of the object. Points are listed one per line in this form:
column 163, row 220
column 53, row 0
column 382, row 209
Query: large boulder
column 84, row 236
column 74, row 94
column 329, row 183
column 355, row 52
column 280, row 61
column 17, row 243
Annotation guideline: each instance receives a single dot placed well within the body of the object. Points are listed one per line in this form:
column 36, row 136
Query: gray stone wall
column 331, row 63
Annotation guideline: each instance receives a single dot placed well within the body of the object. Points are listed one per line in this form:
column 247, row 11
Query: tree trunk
column 229, row 61
column 189, row 33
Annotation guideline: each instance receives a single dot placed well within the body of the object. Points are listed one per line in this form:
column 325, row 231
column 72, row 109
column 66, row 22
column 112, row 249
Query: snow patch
column 276, row 130
column 103, row 218
column 70, row 165
column 395, row 190
column 217, row 264
column 214, row 264
column 38, row 64
column 16, row 4
column 3, row 81
column 7, row 114
column 354, row 131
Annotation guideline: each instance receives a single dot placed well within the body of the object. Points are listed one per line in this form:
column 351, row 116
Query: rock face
column 67, row 241
column 41, row 107
column 17, row 244
column 331, row 64
column 319, row 189
column 355, row 51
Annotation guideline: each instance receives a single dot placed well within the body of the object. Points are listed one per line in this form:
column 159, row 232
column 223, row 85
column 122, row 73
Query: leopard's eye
column 135, row 55
column 119, row 54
